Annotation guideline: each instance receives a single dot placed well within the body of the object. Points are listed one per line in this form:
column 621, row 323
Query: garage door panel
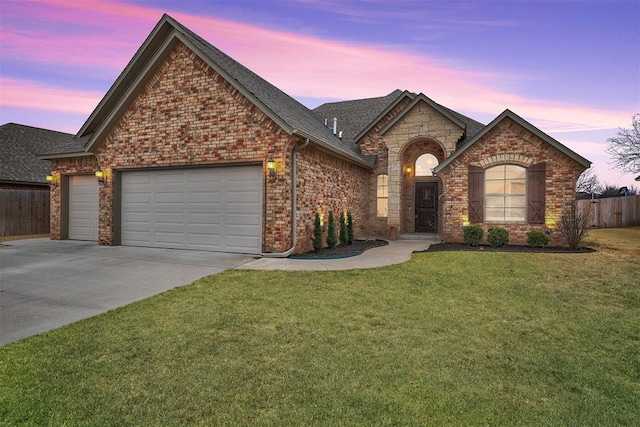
column 83, row 207
column 210, row 208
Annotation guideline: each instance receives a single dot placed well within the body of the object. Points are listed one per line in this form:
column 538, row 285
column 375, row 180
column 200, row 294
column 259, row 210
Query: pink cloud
column 28, row 95
column 301, row 65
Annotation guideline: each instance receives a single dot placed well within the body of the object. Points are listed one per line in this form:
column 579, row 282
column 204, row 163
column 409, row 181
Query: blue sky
column 570, row 67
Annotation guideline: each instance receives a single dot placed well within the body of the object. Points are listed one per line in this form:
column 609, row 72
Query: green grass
column 457, row 338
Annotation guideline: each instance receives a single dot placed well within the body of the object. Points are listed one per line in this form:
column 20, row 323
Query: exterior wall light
column 271, row 167
column 407, row 171
column 52, row 180
column 102, row 178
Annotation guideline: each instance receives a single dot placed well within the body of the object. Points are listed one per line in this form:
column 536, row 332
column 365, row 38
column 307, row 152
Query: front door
column 426, row 207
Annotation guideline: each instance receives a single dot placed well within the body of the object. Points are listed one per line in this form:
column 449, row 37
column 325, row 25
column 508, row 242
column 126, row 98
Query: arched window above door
column 425, row 164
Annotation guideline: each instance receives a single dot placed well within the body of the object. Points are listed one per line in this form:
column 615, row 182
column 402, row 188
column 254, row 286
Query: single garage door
column 83, row 207
column 215, row 209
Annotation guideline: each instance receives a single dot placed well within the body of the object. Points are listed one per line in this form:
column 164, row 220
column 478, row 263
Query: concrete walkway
column 394, row 253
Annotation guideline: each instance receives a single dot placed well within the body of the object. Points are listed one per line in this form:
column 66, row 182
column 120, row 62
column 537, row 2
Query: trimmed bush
column 317, row 233
column 498, row 237
column 349, row 228
column 332, row 240
column 344, row 237
column 472, row 235
column 537, row 239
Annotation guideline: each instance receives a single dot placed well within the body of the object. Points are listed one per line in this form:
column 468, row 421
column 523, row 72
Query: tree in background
column 588, row 185
column 625, row 148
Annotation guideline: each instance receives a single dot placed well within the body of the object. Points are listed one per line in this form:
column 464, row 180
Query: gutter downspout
column 297, row 147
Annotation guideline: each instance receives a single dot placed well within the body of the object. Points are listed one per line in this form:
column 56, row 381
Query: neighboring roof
column 525, row 124
column 290, row 114
column 20, row 146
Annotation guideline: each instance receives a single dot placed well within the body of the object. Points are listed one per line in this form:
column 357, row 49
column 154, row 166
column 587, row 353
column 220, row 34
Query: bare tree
column 588, row 184
column 625, row 148
column 574, row 223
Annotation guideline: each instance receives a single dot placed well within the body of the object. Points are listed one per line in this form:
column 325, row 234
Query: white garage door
column 215, row 209
column 83, row 207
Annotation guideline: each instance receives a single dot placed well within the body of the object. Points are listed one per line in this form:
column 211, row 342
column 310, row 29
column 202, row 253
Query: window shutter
column 536, row 193
column 476, row 193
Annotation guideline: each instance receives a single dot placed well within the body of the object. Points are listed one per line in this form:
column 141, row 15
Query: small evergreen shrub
column 498, row 237
column 343, row 230
column 349, row 228
column 537, row 239
column 317, row 233
column 332, row 240
column 472, row 235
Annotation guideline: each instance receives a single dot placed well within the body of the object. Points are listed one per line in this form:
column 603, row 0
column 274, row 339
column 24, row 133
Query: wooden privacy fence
column 24, row 211
column 613, row 211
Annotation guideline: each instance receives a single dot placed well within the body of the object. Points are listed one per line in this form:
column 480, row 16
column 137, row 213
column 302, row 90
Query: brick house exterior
column 184, row 109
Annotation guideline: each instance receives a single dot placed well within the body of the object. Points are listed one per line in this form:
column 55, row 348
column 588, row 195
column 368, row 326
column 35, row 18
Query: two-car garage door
column 216, row 209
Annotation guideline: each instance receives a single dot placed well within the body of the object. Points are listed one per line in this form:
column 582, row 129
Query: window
column 505, row 193
column 425, row 164
column 383, row 196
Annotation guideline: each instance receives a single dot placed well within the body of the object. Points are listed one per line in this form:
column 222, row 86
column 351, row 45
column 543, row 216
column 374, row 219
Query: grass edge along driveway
column 446, row 338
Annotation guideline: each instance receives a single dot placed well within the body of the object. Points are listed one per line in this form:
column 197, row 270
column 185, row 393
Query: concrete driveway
column 46, row 284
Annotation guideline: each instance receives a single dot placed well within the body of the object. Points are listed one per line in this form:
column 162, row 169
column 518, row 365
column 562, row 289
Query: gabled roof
column 289, row 114
column 423, row 98
column 20, row 146
column 525, row 124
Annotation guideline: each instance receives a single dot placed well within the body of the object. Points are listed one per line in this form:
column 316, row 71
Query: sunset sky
column 570, row 67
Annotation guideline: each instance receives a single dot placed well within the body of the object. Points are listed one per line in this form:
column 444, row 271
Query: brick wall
column 326, row 183
column 187, row 114
column 510, row 143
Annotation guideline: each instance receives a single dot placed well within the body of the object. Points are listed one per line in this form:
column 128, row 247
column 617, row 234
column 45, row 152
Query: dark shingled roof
column 356, row 116
column 20, row 146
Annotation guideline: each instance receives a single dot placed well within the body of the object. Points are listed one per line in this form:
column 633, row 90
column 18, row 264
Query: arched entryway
column 421, row 189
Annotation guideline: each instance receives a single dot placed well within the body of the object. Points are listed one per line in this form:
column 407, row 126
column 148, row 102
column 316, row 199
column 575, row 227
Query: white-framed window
column 382, row 193
column 505, row 193
column 425, row 164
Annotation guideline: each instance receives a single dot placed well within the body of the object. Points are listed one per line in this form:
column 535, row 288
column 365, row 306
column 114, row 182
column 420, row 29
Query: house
column 193, row 150
column 24, row 191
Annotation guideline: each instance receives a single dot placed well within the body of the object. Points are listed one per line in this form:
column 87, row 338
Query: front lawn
column 456, row 338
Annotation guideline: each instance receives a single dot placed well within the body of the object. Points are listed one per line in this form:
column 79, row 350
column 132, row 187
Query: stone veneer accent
column 509, row 142
column 422, row 122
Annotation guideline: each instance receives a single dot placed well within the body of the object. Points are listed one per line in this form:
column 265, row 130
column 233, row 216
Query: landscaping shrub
column 317, row 233
column 574, row 224
column 343, row 230
column 349, row 228
column 332, row 240
column 498, row 237
column 537, row 239
column 472, row 235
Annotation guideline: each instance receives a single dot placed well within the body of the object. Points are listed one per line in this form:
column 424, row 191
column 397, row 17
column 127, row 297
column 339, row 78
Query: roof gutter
column 294, row 152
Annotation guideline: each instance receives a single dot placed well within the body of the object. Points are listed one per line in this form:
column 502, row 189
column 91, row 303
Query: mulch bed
column 509, row 248
column 355, row 248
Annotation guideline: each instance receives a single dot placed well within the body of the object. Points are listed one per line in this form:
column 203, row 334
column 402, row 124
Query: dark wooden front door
column 426, row 207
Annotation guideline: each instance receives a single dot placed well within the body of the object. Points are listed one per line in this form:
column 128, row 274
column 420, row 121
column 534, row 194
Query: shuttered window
column 536, row 193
